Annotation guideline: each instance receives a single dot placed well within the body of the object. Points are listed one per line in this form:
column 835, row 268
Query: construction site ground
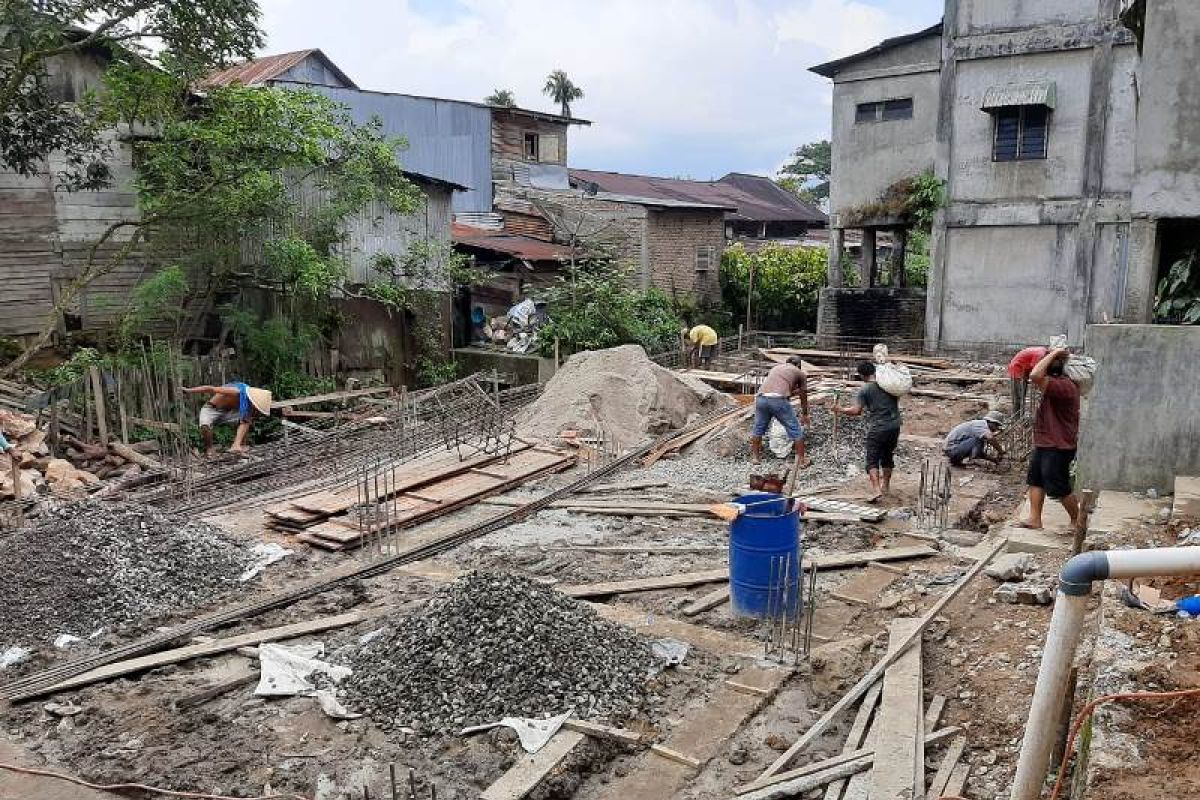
column 980, row 655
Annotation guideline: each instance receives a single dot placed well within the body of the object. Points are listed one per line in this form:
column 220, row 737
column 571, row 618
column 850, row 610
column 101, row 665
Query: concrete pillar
column 899, row 251
column 1142, row 277
column 870, row 263
column 837, row 239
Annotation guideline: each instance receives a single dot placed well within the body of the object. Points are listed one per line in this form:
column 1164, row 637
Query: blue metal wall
column 446, row 139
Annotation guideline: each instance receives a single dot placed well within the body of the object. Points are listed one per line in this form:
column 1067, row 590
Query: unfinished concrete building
column 1065, row 175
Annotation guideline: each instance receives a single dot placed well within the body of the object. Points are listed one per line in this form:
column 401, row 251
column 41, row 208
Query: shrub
column 786, row 288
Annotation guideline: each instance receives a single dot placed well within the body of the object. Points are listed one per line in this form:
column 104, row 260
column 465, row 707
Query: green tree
column 229, row 169
column 503, row 98
column 594, row 307
column 807, row 171
column 181, row 38
column 562, row 91
column 783, row 285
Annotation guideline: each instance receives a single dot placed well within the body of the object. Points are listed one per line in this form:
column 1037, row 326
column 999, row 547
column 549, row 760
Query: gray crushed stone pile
column 493, row 645
column 91, row 565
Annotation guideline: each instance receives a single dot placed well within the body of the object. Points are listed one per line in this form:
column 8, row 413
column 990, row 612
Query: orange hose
column 1087, row 712
column 119, row 787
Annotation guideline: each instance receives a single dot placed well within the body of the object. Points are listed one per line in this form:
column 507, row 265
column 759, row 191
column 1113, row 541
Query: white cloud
column 695, row 87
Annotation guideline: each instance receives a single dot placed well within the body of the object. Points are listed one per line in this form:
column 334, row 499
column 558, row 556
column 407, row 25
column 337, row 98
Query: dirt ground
column 981, row 655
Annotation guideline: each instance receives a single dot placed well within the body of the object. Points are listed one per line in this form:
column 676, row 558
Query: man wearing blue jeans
column 773, row 401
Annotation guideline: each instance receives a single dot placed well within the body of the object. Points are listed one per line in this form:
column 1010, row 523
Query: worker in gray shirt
column 883, row 429
column 974, row 438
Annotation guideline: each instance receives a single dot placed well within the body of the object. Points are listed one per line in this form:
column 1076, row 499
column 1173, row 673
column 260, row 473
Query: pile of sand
column 619, row 392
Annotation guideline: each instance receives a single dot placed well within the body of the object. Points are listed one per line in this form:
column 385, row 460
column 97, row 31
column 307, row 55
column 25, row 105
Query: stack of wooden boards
column 417, row 491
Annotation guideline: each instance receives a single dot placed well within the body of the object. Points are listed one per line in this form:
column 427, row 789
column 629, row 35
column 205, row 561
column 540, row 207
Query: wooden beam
column 899, row 769
column 676, row 756
column 607, row 732
column 143, row 663
column 877, row 671
column 531, row 768
column 645, row 584
column 946, row 769
column 711, row 600
column 856, row 737
column 101, row 411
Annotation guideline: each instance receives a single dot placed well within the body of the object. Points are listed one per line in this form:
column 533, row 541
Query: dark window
column 1021, row 133
column 531, row 146
column 884, row 110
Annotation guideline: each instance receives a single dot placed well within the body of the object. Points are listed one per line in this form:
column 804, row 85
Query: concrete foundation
column 1140, row 426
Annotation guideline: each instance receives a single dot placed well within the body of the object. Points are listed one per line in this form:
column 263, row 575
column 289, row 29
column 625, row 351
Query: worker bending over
column 231, row 404
column 702, row 345
column 974, row 439
column 1055, row 437
column 774, row 401
column 1019, row 368
column 883, row 429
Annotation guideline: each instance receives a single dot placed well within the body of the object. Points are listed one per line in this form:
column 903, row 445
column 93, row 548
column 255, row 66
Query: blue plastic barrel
column 762, row 533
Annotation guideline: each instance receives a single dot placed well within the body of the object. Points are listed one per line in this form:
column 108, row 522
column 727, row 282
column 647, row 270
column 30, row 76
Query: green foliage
column 426, row 266
column 912, row 200
column 916, row 258
column 72, row 369
column 434, row 371
column 501, row 98
column 183, row 39
column 272, row 353
column 562, row 91
column 300, row 269
column 806, row 173
column 156, row 303
column 787, row 283
column 926, row 196
column 9, row 349
column 1178, row 297
column 594, row 308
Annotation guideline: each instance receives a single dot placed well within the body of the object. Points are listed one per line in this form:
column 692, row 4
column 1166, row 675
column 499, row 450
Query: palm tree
column 561, row 90
column 502, row 98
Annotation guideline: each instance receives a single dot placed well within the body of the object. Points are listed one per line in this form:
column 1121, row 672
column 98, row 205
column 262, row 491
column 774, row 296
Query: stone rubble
column 90, row 565
column 494, row 645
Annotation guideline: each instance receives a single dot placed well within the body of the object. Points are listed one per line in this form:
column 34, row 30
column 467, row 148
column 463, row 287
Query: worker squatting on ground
column 1019, row 368
column 702, row 345
column 1055, row 437
column 774, row 401
column 231, row 404
column 975, row 439
column 883, row 429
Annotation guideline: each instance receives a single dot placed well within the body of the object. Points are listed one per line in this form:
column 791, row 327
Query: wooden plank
column 531, row 768
column 202, row 696
column 865, row 587
column 856, row 736
column 828, row 769
column 606, row 588
column 937, row 788
column 933, row 714
column 876, row 672
column 812, row 354
column 899, row 767
column 664, row 550
column 676, row 756
column 329, row 397
column 101, row 410
column 711, row 600
column 607, row 732
column 605, row 488
column 166, row 657
column 958, row 780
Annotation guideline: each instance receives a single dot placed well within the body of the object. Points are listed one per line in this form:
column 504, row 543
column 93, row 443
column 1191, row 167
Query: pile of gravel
column 89, row 565
column 494, row 645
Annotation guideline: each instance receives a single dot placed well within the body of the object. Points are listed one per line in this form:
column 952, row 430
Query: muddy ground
column 981, row 655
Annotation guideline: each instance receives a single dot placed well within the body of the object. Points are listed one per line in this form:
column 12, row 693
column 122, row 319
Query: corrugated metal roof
column 260, row 70
column 524, row 247
column 749, row 197
column 1035, row 93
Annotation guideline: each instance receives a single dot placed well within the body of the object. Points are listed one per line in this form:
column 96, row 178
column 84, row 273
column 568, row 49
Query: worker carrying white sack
column 895, row 379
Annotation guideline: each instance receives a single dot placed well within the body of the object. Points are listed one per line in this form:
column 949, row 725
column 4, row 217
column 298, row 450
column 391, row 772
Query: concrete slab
column 1057, row 534
column 1116, row 511
column 1187, row 498
column 15, row 785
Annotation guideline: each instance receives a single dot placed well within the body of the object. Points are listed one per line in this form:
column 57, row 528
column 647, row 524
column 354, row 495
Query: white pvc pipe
column 1075, row 585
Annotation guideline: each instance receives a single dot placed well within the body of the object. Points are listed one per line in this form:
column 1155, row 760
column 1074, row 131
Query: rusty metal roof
column 523, row 247
column 831, row 68
column 260, row 70
column 747, row 197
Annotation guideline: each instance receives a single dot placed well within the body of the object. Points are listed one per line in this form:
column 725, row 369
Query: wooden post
column 121, row 412
column 86, row 433
column 16, row 475
column 52, row 439
column 98, row 392
column 1086, row 501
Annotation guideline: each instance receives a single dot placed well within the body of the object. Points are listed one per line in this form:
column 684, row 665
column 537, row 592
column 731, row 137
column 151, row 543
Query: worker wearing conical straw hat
column 231, row 404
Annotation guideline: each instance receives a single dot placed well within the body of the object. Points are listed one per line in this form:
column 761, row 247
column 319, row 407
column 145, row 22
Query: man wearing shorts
column 231, row 404
column 774, row 402
column 702, row 341
column 1055, row 437
column 883, row 429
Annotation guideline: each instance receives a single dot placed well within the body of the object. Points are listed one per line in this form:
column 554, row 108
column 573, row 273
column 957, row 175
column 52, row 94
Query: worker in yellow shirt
column 702, row 345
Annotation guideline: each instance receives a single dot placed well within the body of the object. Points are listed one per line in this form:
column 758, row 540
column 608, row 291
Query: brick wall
column 674, row 236
column 880, row 314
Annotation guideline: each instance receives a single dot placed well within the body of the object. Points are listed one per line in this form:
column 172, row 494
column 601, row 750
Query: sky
column 681, row 88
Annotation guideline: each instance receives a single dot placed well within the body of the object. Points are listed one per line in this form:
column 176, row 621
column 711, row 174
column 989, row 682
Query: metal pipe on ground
column 1074, row 588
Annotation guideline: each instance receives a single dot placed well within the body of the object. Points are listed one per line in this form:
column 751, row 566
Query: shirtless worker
column 1055, row 437
column 231, row 404
column 774, row 401
column 883, row 429
column 702, row 345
